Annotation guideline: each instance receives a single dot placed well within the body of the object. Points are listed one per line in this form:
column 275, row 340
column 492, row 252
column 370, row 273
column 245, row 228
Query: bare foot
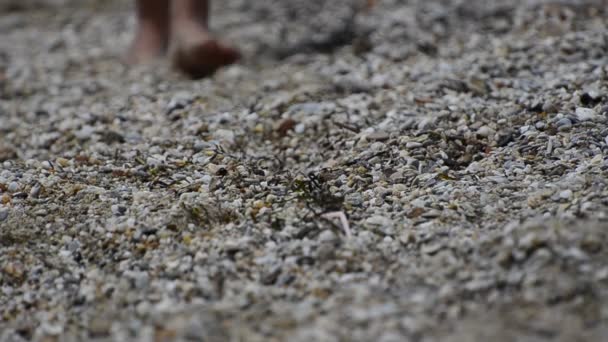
column 197, row 54
column 149, row 44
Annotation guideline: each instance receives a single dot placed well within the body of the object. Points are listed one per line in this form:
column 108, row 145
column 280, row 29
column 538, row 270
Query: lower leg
column 190, row 12
column 195, row 51
column 152, row 34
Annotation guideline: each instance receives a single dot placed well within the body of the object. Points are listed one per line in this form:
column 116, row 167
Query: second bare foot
column 197, row 54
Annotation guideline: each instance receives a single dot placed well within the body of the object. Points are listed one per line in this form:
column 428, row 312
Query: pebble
column 3, row 214
column 585, row 114
column 564, row 124
column 485, row 131
column 85, row 132
column 7, row 152
column 565, row 194
column 35, row 191
column 179, row 101
column 413, row 144
column 62, row 162
column 118, row 210
column 225, row 135
column 540, row 125
column 45, row 164
column 378, row 136
column 300, row 128
column 549, row 107
column 13, row 187
column 99, row 327
column 154, row 162
column 327, row 236
column 379, row 221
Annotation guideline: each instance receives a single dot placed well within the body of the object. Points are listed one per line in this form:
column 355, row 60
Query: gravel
column 464, row 143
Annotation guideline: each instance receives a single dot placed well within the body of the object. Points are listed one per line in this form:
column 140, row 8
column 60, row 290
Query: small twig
column 343, row 220
column 351, row 128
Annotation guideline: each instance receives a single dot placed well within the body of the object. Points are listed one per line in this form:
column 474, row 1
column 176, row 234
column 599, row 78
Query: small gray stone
column 300, row 128
column 540, row 125
column 13, row 187
column 3, row 214
column 45, row 164
column 485, row 131
column 224, row 135
column 585, row 114
column 564, row 124
column 565, row 194
column 549, row 107
column 7, row 152
column 35, row 191
column 118, row 210
column 378, row 136
column 327, row 236
column 180, row 101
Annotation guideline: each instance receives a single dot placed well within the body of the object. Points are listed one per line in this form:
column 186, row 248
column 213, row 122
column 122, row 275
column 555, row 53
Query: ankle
column 188, row 28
